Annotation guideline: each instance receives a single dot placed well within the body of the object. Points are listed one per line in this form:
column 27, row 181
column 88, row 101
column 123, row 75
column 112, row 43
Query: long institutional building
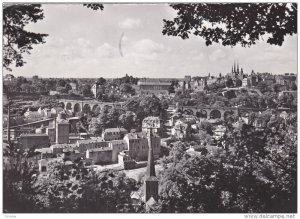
column 152, row 86
column 160, row 86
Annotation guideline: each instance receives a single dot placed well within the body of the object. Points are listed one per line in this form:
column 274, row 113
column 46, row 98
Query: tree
column 95, row 127
column 128, row 120
column 86, row 90
column 17, row 40
column 113, row 117
column 62, row 90
column 229, row 82
column 188, row 183
column 101, row 81
column 238, row 82
column 263, row 87
column 18, row 195
column 94, row 6
column 68, row 87
column 206, row 126
column 27, row 88
column 233, row 23
column 127, row 89
column 61, row 83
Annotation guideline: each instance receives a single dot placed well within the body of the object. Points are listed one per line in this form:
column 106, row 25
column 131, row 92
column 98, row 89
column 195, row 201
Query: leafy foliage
column 233, row 23
column 17, row 40
column 94, row 6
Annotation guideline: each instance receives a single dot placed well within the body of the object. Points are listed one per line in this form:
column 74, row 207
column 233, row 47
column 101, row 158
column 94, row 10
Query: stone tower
column 151, row 182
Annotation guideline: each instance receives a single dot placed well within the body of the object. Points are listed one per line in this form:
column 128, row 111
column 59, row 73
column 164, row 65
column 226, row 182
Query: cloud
column 106, row 51
column 147, row 46
column 130, row 23
column 83, row 42
column 216, row 55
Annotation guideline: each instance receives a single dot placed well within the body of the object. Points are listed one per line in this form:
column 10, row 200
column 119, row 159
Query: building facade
column 154, row 87
column 28, row 141
column 138, row 145
column 114, row 134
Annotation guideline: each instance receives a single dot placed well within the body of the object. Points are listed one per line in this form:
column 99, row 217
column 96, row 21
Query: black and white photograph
column 149, row 107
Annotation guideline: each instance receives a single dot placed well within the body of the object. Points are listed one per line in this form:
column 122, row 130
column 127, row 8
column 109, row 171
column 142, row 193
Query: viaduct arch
column 86, row 106
column 222, row 113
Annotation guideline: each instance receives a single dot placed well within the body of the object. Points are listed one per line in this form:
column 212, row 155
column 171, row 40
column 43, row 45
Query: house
column 62, row 130
column 43, row 166
column 44, row 152
column 86, row 144
column 245, row 82
column 269, row 79
column 56, row 110
column 181, row 130
column 28, row 141
column 219, row 132
column 100, row 155
column 53, row 93
column 114, row 134
column 288, row 80
column 138, row 145
column 31, row 116
column 74, row 86
column 72, row 154
column 152, row 122
column 9, row 77
column 94, row 89
column 59, row 148
column 117, row 146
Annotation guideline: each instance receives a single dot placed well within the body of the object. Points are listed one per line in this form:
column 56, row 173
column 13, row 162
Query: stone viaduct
column 86, row 106
column 210, row 112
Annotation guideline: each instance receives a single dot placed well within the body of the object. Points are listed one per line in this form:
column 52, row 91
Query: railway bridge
column 212, row 112
column 86, row 106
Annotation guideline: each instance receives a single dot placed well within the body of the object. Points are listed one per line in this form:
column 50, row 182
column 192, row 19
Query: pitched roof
column 33, row 135
column 63, row 145
column 115, row 130
column 44, row 150
column 100, row 149
column 87, row 141
column 116, row 142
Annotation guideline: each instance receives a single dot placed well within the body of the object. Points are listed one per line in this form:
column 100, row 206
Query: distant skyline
column 85, row 43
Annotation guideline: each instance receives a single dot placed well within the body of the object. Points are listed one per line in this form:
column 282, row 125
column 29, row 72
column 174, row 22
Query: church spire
column 234, row 70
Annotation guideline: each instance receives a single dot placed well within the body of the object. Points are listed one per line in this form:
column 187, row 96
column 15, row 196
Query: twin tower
column 235, row 68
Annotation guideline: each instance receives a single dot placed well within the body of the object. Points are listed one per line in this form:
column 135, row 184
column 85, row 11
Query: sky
column 85, row 43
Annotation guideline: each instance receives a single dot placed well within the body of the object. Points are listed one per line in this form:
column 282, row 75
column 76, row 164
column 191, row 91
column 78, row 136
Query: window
column 44, row 168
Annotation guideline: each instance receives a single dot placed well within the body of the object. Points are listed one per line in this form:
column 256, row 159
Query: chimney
column 8, row 122
column 151, row 182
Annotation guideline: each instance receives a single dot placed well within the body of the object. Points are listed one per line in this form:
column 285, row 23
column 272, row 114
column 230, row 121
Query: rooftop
column 87, row 141
column 118, row 142
column 154, row 83
column 33, row 135
column 63, row 145
column 44, row 150
column 115, row 130
column 100, row 149
column 138, row 135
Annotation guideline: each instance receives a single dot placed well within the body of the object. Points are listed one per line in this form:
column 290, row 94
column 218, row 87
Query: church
column 236, row 72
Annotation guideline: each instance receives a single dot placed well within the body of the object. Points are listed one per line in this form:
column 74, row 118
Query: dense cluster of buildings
column 115, row 145
column 287, row 81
